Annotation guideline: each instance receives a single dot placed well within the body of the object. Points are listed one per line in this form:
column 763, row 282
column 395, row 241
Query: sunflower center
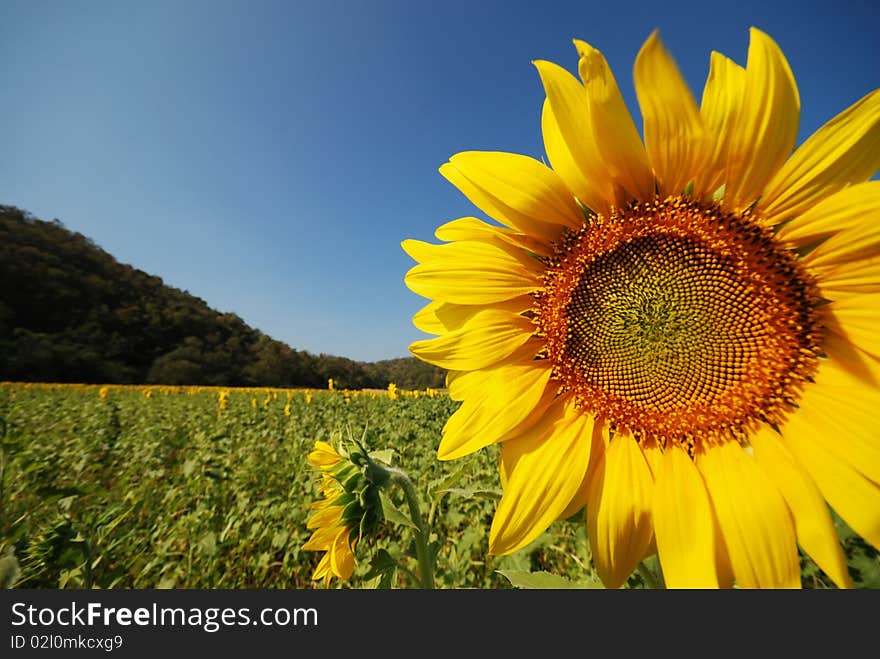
column 678, row 322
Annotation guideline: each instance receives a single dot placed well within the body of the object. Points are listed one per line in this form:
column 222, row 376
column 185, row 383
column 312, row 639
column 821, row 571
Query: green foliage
column 69, row 312
column 165, row 492
column 544, row 580
column 172, row 495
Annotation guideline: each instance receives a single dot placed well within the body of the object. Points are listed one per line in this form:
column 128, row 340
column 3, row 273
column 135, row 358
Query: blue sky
column 269, row 157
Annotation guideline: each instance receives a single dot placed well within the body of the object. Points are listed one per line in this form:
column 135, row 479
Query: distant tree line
column 69, row 312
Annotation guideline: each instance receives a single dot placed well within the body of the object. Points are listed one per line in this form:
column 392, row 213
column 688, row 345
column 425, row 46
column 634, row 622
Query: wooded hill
column 70, row 312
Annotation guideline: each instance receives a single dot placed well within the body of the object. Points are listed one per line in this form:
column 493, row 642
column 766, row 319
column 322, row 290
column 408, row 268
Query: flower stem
column 426, row 567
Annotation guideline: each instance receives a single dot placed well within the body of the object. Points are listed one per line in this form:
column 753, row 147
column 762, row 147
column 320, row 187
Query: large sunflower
column 680, row 333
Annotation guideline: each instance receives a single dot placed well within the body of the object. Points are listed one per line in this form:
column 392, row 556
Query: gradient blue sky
column 269, row 157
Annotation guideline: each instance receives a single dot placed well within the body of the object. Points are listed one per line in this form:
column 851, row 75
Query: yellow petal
column 487, row 338
column 755, row 522
column 341, row 556
column 547, row 464
column 722, row 98
column 767, row 123
column 471, row 228
column 852, row 280
column 327, row 517
column 859, row 243
column 855, row 498
column 471, row 272
column 441, row 317
column 516, row 190
column 614, row 132
column 841, row 413
column 322, row 539
column 683, row 523
column 619, row 511
column 848, row 357
column 323, row 455
column 848, row 208
column 674, row 134
column 424, row 253
column 844, row 151
column 847, row 266
column 723, row 566
column 420, row 251
column 427, row 320
column 569, row 139
column 857, row 318
column 322, row 570
column 812, row 521
column 508, row 397
column 653, row 456
column 598, row 442
column 465, row 384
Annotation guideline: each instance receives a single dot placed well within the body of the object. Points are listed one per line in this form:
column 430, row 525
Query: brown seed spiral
column 678, row 321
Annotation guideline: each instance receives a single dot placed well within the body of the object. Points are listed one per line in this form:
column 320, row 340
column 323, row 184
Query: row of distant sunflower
column 266, row 393
column 258, row 397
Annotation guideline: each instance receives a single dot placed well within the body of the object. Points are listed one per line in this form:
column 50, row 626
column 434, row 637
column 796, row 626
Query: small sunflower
column 331, row 533
column 349, row 510
column 679, row 333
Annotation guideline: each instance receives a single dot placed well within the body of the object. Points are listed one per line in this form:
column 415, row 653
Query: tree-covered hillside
column 69, row 312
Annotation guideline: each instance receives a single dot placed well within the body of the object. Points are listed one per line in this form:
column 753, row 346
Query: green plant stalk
column 426, row 567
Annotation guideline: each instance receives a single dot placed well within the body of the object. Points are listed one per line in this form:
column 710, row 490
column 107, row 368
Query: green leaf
column 280, row 538
column 386, row 581
column 543, row 581
column 394, row 514
column 381, row 563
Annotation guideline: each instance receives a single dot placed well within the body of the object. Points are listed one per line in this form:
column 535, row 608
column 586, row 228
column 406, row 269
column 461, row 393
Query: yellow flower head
column 103, row 392
column 349, row 510
column 679, row 333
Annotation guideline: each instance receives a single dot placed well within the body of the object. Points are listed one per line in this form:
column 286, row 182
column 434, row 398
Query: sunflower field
column 176, row 487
